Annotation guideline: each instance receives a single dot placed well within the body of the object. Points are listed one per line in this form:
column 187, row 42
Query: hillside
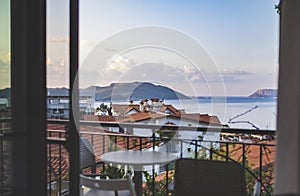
column 264, row 93
column 134, row 91
column 117, row 91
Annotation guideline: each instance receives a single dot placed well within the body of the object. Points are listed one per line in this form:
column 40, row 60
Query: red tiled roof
column 268, row 154
column 253, row 158
column 201, row 118
column 171, row 108
column 55, row 163
column 106, row 118
column 145, row 116
column 132, row 107
column 123, row 109
column 89, row 117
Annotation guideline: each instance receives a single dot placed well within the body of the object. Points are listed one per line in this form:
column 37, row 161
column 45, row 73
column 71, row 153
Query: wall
column 287, row 167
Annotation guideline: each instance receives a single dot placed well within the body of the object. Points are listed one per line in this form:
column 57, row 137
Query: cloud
column 120, row 64
column 57, row 72
column 56, row 67
column 226, row 76
column 235, row 72
column 6, row 58
column 59, row 40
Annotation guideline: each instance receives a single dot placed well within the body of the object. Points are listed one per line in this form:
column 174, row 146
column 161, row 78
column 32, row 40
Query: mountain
column 117, row 91
column 134, row 91
column 264, row 93
column 58, row 91
column 5, row 93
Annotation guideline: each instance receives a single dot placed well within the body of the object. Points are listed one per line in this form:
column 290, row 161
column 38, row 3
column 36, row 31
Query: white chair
column 110, row 187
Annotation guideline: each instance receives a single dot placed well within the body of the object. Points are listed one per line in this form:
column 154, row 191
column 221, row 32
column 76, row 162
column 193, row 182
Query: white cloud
column 59, row 40
column 56, row 66
column 120, row 63
column 235, row 72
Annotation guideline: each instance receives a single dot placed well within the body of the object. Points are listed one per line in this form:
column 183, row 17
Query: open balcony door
column 28, row 94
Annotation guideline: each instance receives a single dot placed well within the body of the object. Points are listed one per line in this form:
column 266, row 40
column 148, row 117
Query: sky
column 208, row 48
column 4, row 44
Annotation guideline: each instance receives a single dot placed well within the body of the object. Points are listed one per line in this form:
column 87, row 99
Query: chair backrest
column 87, row 155
column 206, row 177
column 257, row 188
column 108, row 185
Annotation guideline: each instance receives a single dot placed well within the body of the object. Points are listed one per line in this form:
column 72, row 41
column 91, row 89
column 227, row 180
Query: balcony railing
column 254, row 149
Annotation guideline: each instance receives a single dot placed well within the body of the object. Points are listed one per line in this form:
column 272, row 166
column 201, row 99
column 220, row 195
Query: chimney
column 146, row 105
column 141, row 106
column 156, row 104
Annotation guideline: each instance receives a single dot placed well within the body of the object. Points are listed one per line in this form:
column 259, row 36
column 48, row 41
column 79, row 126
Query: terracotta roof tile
column 123, row 109
column 171, row 108
column 204, row 118
column 145, row 116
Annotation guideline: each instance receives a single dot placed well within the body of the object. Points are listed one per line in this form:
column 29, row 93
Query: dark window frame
column 28, row 95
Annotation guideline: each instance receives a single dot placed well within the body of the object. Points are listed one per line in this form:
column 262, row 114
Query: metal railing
column 5, row 152
column 257, row 156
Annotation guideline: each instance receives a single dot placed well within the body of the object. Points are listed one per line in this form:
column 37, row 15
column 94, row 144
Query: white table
column 138, row 159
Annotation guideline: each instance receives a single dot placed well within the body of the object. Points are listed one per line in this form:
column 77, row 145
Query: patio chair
column 206, row 177
column 88, row 159
column 103, row 187
column 97, row 183
column 87, row 156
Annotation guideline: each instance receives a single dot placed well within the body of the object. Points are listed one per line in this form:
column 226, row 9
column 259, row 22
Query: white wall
column 287, row 166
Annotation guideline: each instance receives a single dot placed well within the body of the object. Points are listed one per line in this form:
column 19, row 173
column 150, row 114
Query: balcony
column 254, row 149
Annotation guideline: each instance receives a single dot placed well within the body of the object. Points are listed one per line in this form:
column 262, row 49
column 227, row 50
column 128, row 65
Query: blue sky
column 239, row 41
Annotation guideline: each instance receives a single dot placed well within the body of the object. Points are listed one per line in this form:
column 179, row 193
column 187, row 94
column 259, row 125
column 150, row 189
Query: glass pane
column 58, row 59
column 194, row 64
column 57, row 95
column 223, row 57
column 5, row 111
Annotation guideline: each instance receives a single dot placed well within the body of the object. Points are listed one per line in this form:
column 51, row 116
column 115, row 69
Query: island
column 264, row 93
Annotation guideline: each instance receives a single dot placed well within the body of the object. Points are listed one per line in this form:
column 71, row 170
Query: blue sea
column 262, row 114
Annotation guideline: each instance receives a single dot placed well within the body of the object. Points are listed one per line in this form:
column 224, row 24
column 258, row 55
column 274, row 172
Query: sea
column 236, row 112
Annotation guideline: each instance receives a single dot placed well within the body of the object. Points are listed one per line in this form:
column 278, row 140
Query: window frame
column 29, row 93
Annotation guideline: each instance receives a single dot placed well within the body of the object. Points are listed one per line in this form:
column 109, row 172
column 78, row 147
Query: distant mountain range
column 117, row 91
column 134, row 91
column 264, row 93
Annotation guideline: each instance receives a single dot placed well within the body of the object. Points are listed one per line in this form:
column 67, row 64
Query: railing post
column 141, row 143
column 153, row 139
column 181, row 147
column 196, row 149
column 227, row 151
column 211, row 151
column 244, row 154
column 103, row 144
column 128, row 141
